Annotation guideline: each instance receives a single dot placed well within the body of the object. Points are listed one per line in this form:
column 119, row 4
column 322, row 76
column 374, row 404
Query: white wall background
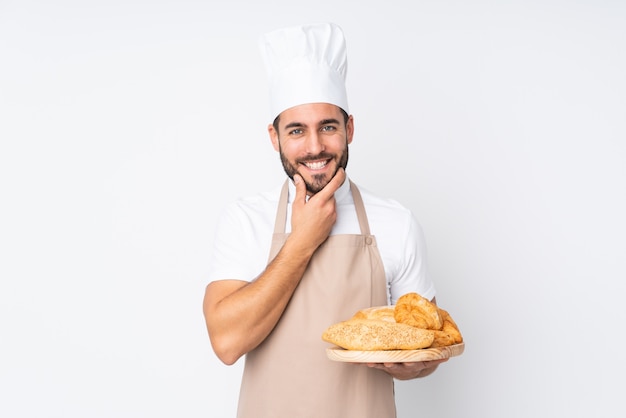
column 125, row 126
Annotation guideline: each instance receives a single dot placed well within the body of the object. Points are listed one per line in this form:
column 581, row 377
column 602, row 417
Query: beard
column 318, row 182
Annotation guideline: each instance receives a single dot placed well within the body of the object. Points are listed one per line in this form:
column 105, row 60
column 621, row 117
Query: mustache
column 320, row 156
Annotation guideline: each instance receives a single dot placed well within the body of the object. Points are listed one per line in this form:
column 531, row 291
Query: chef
column 290, row 262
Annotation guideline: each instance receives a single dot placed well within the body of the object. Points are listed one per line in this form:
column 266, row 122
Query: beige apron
column 289, row 375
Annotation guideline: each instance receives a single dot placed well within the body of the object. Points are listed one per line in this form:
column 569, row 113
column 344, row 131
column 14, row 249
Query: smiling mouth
column 315, row 165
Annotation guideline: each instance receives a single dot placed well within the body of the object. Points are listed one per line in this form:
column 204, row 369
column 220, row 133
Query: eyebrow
column 328, row 122
column 321, row 123
column 293, row 125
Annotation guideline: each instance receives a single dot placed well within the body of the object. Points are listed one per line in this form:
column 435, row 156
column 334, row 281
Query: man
column 290, row 263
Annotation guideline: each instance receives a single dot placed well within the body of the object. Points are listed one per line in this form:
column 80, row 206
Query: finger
column 338, row 178
column 335, row 183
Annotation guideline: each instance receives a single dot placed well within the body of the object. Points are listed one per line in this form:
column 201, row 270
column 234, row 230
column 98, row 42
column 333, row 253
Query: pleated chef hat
column 305, row 64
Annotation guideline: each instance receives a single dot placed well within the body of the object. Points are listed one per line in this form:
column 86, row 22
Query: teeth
column 316, row 165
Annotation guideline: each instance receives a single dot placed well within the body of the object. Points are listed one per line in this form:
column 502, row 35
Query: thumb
column 300, row 188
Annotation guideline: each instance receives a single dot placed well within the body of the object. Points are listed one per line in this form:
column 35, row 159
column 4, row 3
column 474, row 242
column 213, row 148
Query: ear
column 350, row 129
column 273, row 136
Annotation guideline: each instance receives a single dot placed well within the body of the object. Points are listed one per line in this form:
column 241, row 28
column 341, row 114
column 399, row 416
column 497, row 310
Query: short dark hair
column 277, row 120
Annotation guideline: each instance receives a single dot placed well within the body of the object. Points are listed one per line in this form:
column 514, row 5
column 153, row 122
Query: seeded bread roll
column 376, row 334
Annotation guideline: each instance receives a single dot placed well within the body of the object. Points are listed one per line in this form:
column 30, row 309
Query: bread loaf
column 384, row 313
column 375, row 334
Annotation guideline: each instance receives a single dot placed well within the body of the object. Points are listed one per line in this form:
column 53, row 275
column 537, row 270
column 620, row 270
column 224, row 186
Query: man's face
column 312, row 140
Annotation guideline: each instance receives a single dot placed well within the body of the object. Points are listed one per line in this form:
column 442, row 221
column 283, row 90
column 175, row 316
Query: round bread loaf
column 383, row 313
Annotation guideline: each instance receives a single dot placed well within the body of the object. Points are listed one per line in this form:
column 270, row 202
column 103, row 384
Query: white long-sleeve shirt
column 245, row 228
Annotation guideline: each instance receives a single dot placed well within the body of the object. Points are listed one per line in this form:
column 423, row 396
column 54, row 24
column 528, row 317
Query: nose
column 314, row 143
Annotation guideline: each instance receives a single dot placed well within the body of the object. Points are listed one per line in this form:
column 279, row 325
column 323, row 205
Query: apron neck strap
column 281, row 213
column 360, row 209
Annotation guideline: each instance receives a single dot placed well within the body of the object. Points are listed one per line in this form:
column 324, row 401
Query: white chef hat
column 305, row 64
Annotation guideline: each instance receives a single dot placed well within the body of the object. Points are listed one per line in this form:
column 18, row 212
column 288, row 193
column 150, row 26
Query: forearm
column 241, row 315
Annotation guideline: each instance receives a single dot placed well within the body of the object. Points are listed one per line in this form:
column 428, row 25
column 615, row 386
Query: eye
column 328, row 128
column 296, row 131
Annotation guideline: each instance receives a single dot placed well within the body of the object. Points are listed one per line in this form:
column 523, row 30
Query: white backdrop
column 125, row 126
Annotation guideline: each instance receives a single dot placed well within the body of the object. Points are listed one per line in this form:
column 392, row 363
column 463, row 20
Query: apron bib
column 289, row 375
